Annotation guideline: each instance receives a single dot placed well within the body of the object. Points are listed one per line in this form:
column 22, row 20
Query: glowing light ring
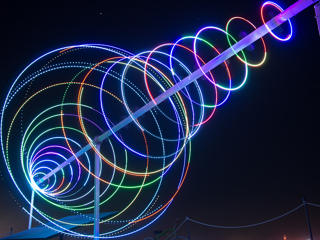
column 281, row 10
column 264, row 45
column 130, row 113
column 143, row 183
column 178, row 120
column 194, row 127
column 205, row 74
column 127, row 109
column 212, row 79
column 196, row 82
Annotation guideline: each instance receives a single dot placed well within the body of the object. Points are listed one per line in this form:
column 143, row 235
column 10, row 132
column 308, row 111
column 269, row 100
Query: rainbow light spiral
column 65, row 98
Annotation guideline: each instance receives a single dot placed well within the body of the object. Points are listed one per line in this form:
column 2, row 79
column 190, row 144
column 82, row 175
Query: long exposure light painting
column 137, row 112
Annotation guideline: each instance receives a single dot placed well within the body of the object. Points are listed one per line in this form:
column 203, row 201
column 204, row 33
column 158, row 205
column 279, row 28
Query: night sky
column 256, row 158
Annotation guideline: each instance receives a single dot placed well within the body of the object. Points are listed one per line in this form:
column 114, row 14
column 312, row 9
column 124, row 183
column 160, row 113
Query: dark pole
column 305, row 207
column 174, row 228
column 188, row 228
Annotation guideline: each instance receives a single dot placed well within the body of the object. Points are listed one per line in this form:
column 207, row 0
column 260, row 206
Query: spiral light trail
column 142, row 109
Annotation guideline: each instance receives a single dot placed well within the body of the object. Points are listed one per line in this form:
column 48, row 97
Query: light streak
column 50, row 139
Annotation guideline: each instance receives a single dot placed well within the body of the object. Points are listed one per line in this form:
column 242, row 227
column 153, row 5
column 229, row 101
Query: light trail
column 231, row 51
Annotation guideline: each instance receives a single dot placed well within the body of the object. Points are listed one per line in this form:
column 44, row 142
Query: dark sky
column 256, row 158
